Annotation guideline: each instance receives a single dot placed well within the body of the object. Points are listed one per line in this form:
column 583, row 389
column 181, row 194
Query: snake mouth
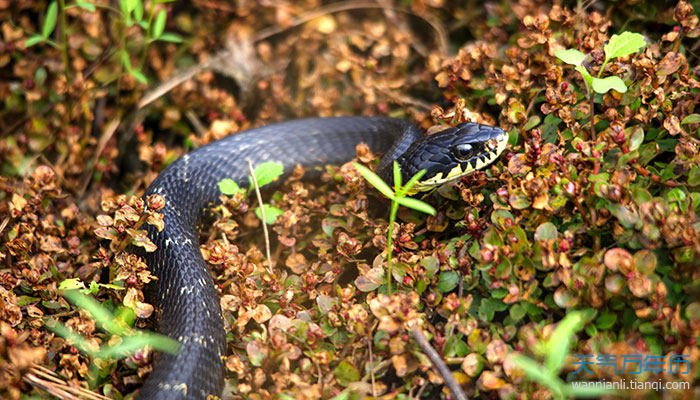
column 487, row 151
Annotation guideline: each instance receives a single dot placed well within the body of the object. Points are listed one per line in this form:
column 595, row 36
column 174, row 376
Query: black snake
column 185, row 295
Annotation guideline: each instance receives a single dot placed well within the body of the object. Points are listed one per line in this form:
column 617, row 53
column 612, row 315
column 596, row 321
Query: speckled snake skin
column 184, row 292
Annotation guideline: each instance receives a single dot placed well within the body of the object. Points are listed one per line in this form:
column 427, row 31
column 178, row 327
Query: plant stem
column 591, row 97
column 64, row 40
column 151, row 12
column 262, row 214
column 390, row 243
column 602, row 68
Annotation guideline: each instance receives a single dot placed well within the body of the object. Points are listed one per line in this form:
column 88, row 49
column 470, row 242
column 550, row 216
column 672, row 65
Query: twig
column 592, row 106
column 262, row 214
column 371, row 372
column 655, row 178
column 196, row 123
column 172, row 82
column 440, row 365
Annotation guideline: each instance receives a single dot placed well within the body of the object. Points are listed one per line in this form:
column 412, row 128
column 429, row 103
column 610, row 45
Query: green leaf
column 691, row 119
column 570, row 56
column 431, row 265
column 271, row 213
column 605, row 320
column 675, row 195
column 416, row 204
column 138, row 12
column 78, row 341
column 533, row 121
column 132, row 4
column 170, row 37
column 412, row 182
column 266, row 173
column 636, row 138
column 517, row 312
column 540, row 375
column 34, row 39
column 587, row 392
column 375, row 181
column 50, row 20
column 624, row 44
column 159, row 24
column 397, row 175
column 85, row 5
column 448, row 281
column 229, row 187
column 71, row 284
column 558, row 344
column 93, row 288
column 126, row 61
column 603, row 85
column 694, row 176
column 346, row 373
column 139, row 76
column 103, row 318
column 127, row 7
column 111, row 286
column 546, row 231
column 130, row 344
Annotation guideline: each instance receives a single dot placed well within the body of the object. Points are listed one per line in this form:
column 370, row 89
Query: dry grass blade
column 237, row 60
column 47, row 380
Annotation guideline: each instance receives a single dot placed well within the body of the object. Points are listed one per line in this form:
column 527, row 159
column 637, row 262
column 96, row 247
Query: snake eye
column 463, row 151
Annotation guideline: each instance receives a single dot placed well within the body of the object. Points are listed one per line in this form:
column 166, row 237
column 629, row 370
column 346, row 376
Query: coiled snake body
column 188, row 303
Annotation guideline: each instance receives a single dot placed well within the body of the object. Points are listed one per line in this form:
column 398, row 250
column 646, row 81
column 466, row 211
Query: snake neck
column 385, row 167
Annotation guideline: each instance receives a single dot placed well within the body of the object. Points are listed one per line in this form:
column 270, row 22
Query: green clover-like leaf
column 267, row 172
column 603, row 85
column 570, row 56
column 229, row 187
column 271, row 213
column 624, row 44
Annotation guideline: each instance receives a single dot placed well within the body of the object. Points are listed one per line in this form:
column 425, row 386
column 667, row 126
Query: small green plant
column 398, row 196
column 124, row 340
column 555, row 351
column 265, row 173
column 92, row 288
column 130, row 13
column 618, row 46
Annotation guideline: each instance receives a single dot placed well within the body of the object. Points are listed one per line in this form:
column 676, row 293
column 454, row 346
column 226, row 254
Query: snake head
column 451, row 154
